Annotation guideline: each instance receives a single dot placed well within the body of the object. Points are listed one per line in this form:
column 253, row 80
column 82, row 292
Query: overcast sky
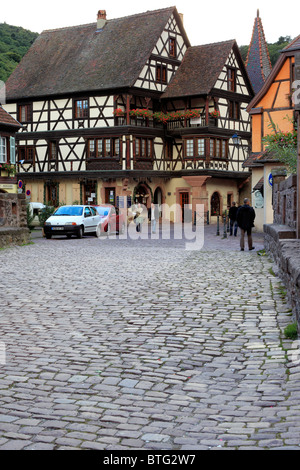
column 204, row 21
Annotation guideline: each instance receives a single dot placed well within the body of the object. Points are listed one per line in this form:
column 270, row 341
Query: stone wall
column 280, row 237
column 284, row 199
column 285, row 252
column 13, row 220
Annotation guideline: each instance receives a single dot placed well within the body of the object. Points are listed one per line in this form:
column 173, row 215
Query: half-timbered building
column 126, row 107
column 272, row 107
column 8, row 129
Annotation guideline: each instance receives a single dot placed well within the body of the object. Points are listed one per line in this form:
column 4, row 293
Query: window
column 101, row 148
column 172, row 47
column 143, row 147
column 3, row 150
column 200, row 147
column 218, row 148
column 81, row 109
column 231, row 79
column 161, row 73
column 234, row 110
column 195, row 148
column 87, row 212
column 189, row 148
column 27, row 154
column 25, row 113
column 52, row 151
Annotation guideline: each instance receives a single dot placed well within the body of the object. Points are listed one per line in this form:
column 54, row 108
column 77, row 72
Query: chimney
column 101, row 19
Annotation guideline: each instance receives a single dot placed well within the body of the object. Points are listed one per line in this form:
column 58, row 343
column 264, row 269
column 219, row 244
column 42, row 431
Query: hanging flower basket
column 214, row 114
column 141, row 113
column 118, row 112
column 177, row 115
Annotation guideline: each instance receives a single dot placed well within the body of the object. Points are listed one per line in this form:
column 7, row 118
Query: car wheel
column 80, row 232
column 48, row 236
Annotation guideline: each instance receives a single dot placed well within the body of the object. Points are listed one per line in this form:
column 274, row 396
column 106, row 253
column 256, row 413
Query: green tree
column 283, row 145
column 14, row 43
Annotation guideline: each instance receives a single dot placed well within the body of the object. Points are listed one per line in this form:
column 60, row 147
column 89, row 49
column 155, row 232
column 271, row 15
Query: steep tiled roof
column 7, row 120
column 258, row 61
column 78, row 59
column 199, row 70
column 293, row 46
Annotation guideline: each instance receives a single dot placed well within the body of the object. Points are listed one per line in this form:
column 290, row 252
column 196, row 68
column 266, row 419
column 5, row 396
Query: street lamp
column 236, row 140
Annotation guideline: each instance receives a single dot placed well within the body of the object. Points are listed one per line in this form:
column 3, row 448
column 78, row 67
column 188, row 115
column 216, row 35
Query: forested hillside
column 14, row 43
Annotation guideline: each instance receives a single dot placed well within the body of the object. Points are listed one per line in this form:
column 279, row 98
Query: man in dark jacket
column 245, row 219
column 232, row 216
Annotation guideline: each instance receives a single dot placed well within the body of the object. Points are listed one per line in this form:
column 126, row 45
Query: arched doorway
column 142, row 195
column 215, row 204
column 158, row 199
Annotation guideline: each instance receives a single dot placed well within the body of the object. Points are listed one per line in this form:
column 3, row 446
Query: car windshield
column 69, row 210
column 103, row 210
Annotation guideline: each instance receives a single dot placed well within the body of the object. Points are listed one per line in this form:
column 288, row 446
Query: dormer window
column 172, row 47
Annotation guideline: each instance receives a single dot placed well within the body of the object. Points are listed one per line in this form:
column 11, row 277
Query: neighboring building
column 127, row 107
column 258, row 62
column 8, row 128
column 273, row 103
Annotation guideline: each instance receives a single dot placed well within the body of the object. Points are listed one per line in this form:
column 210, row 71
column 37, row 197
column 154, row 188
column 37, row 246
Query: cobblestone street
column 142, row 344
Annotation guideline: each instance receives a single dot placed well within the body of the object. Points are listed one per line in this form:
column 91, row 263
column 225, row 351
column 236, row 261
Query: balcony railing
column 171, row 125
column 200, row 163
column 198, row 122
column 139, row 122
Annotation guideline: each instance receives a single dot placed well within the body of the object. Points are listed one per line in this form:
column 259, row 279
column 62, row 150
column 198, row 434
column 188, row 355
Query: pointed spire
column 258, row 61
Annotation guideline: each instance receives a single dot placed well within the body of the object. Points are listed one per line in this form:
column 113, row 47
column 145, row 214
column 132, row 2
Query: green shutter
column 12, row 150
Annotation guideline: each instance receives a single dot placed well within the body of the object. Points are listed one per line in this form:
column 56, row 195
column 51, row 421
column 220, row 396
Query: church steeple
column 258, row 61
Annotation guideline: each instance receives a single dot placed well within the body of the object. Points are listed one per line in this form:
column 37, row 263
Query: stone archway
column 142, row 194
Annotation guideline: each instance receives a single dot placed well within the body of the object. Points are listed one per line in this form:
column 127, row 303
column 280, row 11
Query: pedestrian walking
column 154, row 216
column 245, row 219
column 232, row 217
column 138, row 218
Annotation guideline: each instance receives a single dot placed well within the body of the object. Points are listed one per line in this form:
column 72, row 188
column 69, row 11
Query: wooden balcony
column 200, row 163
column 170, row 125
column 190, row 123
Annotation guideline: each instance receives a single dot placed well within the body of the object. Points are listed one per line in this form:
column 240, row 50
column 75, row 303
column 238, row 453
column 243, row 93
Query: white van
column 35, row 208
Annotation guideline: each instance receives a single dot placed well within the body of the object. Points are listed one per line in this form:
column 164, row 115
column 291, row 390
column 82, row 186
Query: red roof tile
column 7, row 120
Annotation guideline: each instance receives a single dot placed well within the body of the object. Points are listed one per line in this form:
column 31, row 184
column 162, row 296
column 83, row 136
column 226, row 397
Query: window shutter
column 12, row 150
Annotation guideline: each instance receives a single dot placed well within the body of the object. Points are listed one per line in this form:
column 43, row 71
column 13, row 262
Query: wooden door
column 184, row 199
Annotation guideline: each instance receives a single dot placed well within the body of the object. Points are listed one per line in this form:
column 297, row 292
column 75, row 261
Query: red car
column 112, row 220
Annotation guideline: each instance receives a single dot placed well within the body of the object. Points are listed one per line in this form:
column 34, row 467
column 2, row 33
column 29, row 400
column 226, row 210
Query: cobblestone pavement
column 142, row 344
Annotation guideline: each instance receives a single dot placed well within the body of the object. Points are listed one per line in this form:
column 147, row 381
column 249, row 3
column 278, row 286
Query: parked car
column 72, row 220
column 35, row 208
column 112, row 220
